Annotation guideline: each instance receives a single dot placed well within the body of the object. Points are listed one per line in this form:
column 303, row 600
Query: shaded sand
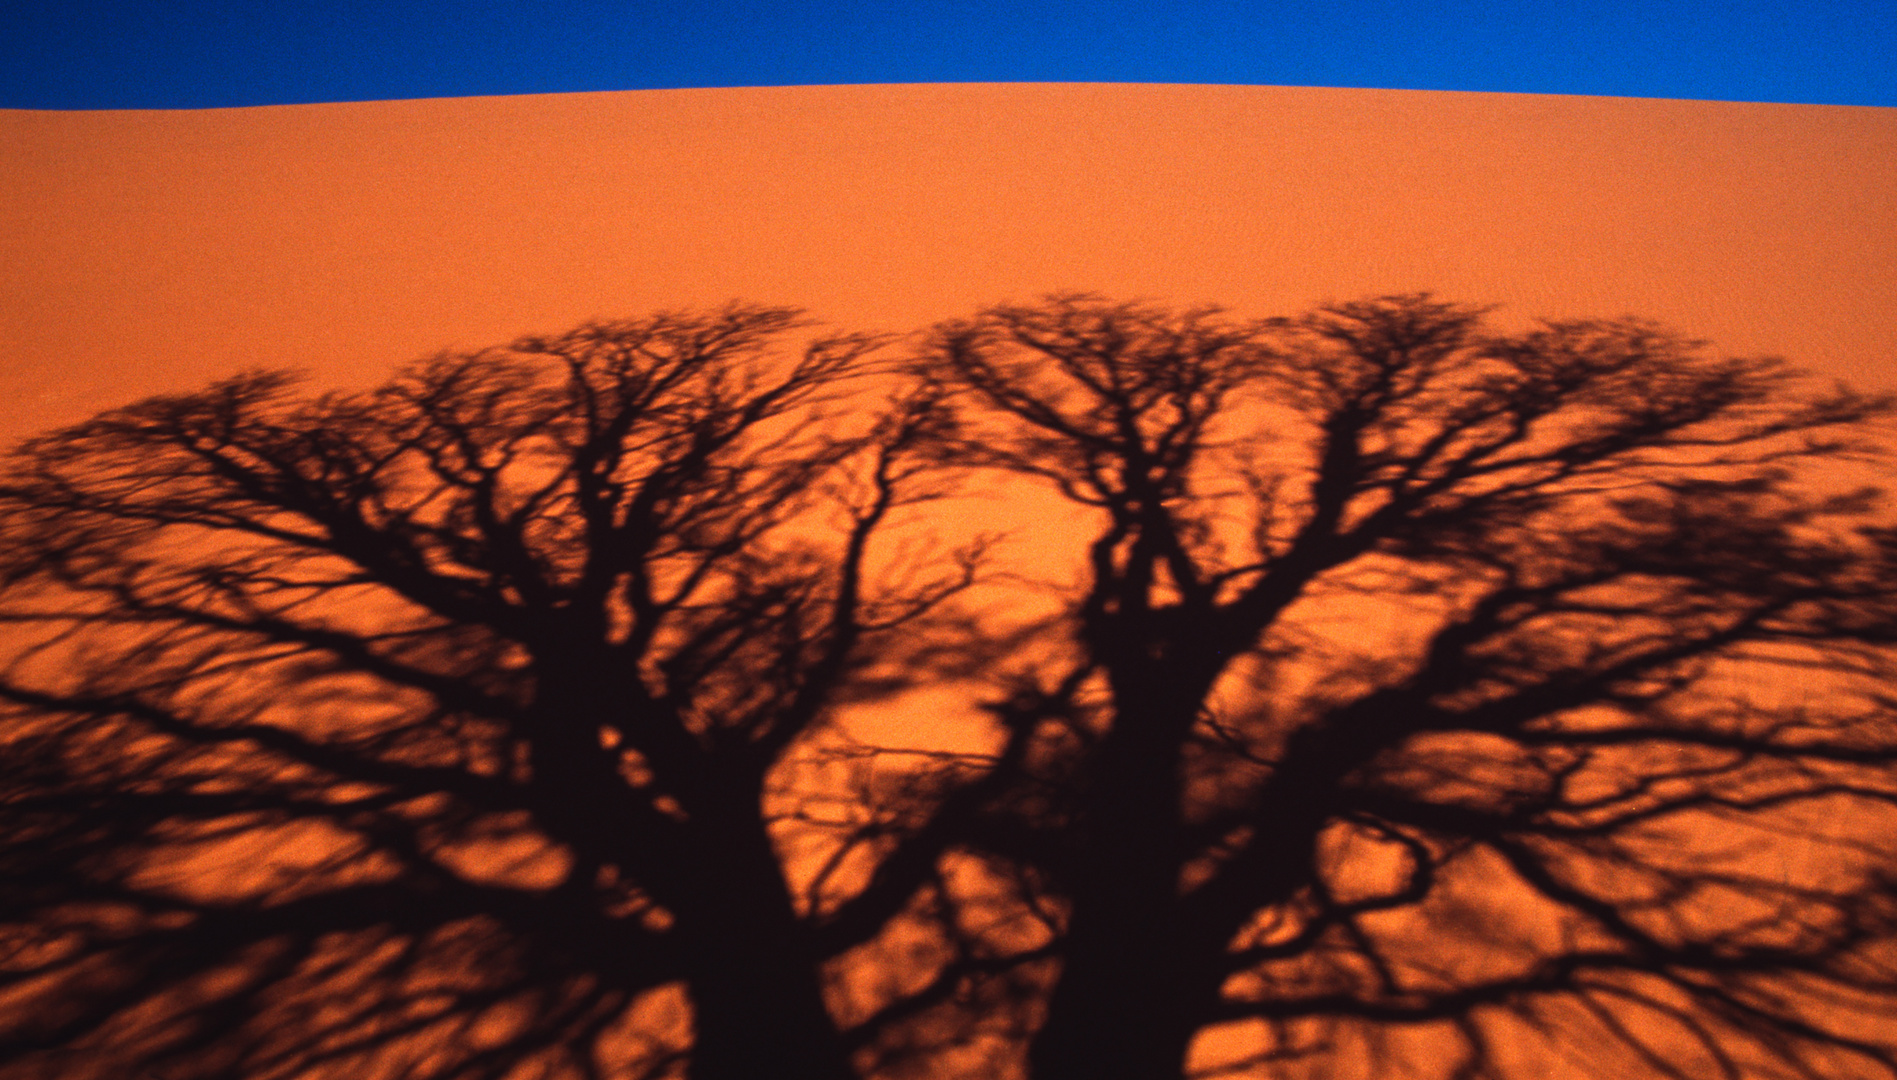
column 150, row 251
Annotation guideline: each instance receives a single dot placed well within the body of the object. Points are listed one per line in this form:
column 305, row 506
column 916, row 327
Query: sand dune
column 150, row 251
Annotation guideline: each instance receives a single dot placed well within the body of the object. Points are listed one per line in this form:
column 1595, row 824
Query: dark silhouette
column 501, row 654
column 1421, row 698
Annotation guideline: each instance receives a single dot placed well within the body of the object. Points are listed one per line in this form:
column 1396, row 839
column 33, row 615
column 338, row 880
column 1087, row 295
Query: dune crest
column 151, row 251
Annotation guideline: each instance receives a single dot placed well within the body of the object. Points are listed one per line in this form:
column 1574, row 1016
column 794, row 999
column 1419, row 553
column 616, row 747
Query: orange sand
column 151, row 251
column 143, row 251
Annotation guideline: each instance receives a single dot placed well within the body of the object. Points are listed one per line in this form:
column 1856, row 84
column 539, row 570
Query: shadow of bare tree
column 1426, row 698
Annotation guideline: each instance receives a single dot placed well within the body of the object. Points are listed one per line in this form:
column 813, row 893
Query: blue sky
column 95, row 54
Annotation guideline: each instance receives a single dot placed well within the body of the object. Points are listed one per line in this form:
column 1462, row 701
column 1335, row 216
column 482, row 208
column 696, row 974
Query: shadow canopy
column 1387, row 694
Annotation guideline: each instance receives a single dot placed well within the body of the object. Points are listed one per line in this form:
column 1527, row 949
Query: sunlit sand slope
column 146, row 251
